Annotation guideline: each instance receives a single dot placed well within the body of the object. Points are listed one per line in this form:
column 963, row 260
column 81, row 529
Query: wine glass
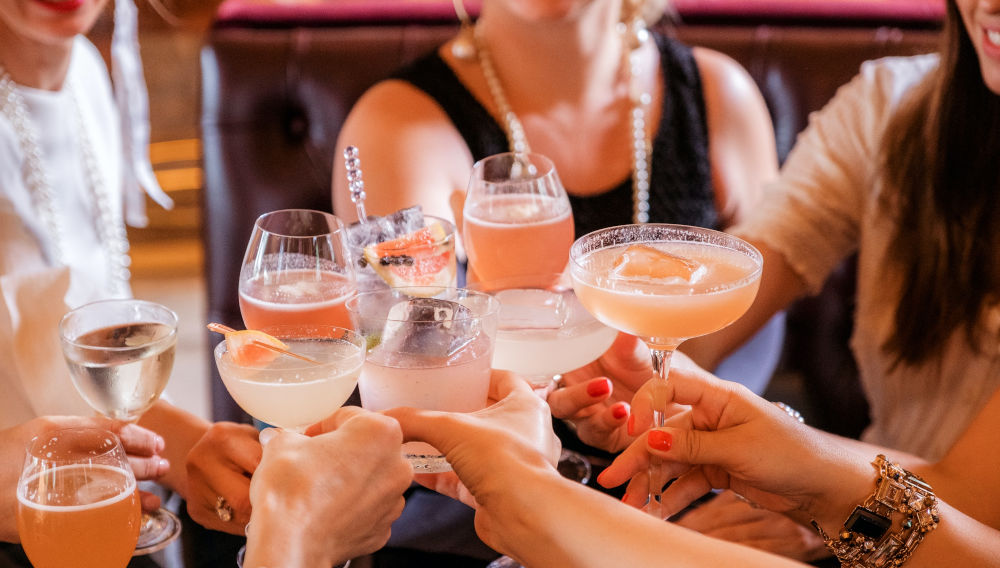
column 664, row 284
column 120, row 354
column 295, row 270
column 77, row 501
column 517, row 219
column 425, row 352
column 296, row 389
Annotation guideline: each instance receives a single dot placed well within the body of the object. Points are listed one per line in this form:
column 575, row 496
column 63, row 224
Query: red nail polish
column 631, row 425
column 660, row 440
column 599, row 388
column 619, row 412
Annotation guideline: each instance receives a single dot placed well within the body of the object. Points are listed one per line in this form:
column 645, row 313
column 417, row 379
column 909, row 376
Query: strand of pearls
column 634, row 35
column 109, row 225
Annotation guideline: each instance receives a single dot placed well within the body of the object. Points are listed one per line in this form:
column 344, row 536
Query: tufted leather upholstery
column 278, row 80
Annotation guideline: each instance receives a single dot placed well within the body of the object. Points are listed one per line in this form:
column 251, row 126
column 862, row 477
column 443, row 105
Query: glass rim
column 576, row 253
column 257, row 224
column 493, row 304
column 64, row 321
column 349, row 335
column 544, row 160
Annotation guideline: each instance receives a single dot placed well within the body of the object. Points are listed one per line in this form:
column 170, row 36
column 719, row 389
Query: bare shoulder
column 723, row 77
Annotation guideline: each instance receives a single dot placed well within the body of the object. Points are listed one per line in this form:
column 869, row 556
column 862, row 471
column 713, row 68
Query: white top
column 34, row 294
column 824, row 207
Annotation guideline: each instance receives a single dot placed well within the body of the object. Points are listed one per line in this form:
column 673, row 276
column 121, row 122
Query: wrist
column 280, row 538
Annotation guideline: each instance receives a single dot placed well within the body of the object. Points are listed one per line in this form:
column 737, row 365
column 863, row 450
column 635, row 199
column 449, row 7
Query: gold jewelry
column 633, row 36
column 867, row 540
column 223, row 510
column 463, row 47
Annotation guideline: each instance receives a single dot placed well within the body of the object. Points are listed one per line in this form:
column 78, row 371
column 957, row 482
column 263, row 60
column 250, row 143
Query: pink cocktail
column 664, row 284
column 296, row 297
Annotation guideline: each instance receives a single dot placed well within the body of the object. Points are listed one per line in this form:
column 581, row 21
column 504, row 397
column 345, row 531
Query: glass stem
column 657, row 473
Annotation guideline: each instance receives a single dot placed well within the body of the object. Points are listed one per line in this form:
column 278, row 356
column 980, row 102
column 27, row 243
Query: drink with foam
column 295, row 297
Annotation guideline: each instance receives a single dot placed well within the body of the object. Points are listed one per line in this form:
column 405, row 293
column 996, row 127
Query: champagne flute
column 295, row 271
column 120, row 354
column 77, row 501
column 517, row 219
column 664, row 284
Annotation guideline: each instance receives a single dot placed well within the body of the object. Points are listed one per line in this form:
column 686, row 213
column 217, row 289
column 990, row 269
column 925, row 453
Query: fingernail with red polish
column 631, row 425
column 599, row 387
column 660, row 440
column 619, row 412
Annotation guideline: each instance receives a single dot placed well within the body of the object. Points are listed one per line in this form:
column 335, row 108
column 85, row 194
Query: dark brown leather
column 274, row 98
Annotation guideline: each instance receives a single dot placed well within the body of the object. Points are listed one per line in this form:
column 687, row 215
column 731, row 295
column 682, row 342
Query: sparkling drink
column 295, row 297
column 121, row 370
column 291, row 393
column 510, row 235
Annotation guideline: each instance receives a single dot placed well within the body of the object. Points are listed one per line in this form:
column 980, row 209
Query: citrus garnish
column 644, row 261
column 424, row 257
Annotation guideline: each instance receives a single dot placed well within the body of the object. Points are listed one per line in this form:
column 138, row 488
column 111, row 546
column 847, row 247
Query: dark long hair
column 941, row 157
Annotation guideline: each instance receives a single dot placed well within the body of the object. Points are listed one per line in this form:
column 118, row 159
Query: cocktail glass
column 290, row 392
column 295, row 271
column 426, row 352
column 517, row 219
column 77, row 501
column 664, row 284
column 120, row 354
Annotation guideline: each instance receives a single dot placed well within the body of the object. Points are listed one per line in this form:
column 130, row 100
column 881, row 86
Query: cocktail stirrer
column 357, row 186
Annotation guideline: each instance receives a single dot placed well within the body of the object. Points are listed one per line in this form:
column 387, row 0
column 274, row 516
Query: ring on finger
column 223, row 510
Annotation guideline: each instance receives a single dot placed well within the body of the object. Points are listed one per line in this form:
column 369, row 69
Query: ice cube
column 649, row 263
column 531, row 308
column 429, row 327
column 380, row 229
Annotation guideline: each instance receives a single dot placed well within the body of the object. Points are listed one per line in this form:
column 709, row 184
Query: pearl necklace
column 110, row 228
column 640, row 100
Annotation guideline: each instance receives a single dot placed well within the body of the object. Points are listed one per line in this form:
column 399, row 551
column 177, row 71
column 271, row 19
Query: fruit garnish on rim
column 647, row 262
column 253, row 348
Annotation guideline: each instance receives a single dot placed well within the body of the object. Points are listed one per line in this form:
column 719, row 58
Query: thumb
column 428, row 426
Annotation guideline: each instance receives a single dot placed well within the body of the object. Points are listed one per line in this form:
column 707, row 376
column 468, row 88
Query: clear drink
column 300, row 297
column 510, row 235
column 121, row 370
column 291, row 393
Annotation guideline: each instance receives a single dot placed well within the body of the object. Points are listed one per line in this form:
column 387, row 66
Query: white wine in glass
column 120, row 354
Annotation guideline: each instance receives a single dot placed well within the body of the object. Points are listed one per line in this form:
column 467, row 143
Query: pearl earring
column 463, row 47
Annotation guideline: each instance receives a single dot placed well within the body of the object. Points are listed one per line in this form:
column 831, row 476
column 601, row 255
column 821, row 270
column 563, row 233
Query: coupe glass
column 295, row 271
column 664, row 284
column 290, row 392
column 120, row 354
column 517, row 219
column 426, row 352
column 77, row 501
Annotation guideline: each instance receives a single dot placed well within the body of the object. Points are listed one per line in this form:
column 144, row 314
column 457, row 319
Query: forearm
column 181, row 430
column 277, row 537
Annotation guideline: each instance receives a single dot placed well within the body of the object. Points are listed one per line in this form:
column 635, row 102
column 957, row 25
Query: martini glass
column 664, row 284
column 120, row 354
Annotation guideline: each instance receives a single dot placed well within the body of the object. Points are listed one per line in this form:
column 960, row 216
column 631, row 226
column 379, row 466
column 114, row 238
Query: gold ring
column 223, row 510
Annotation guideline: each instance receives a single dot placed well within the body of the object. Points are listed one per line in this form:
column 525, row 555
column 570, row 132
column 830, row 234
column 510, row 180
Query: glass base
column 423, row 463
column 574, row 466
column 159, row 528
column 504, row 562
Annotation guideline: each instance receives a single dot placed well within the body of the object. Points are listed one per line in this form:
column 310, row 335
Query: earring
column 632, row 25
column 463, row 47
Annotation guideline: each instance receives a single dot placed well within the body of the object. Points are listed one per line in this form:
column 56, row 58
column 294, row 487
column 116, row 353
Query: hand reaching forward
column 219, row 466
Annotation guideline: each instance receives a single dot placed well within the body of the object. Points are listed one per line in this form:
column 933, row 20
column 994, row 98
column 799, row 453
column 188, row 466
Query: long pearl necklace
column 641, row 145
column 110, row 228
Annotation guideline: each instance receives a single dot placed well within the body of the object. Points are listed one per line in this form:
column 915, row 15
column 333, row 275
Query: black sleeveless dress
column 681, row 179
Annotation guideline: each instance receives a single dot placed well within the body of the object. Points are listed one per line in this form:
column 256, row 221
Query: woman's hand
column 219, row 467
column 595, row 397
column 320, row 501
column 732, row 439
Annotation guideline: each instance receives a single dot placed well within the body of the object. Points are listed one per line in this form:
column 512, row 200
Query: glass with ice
column 664, row 284
column 429, row 349
column 295, row 271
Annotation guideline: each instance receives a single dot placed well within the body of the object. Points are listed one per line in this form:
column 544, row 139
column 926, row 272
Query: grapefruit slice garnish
column 644, row 261
column 253, row 348
column 423, row 258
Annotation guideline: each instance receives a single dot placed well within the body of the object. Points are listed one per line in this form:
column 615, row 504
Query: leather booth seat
column 278, row 79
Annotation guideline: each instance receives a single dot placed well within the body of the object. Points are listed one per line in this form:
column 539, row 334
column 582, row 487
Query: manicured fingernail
column 660, row 440
column 163, row 467
column 631, row 425
column 619, row 412
column 599, row 387
column 160, row 444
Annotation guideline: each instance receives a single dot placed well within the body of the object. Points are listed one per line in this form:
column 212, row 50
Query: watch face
column 867, row 523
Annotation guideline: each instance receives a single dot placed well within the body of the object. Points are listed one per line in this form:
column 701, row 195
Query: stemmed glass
column 77, row 501
column 517, row 219
column 426, row 352
column 120, row 354
column 664, row 284
column 295, row 270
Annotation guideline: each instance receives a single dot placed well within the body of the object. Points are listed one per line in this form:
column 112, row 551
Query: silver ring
column 791, row 412
column 223, row 510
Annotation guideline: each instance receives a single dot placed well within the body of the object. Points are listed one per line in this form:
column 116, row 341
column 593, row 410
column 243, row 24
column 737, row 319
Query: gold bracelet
column 874, row 536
